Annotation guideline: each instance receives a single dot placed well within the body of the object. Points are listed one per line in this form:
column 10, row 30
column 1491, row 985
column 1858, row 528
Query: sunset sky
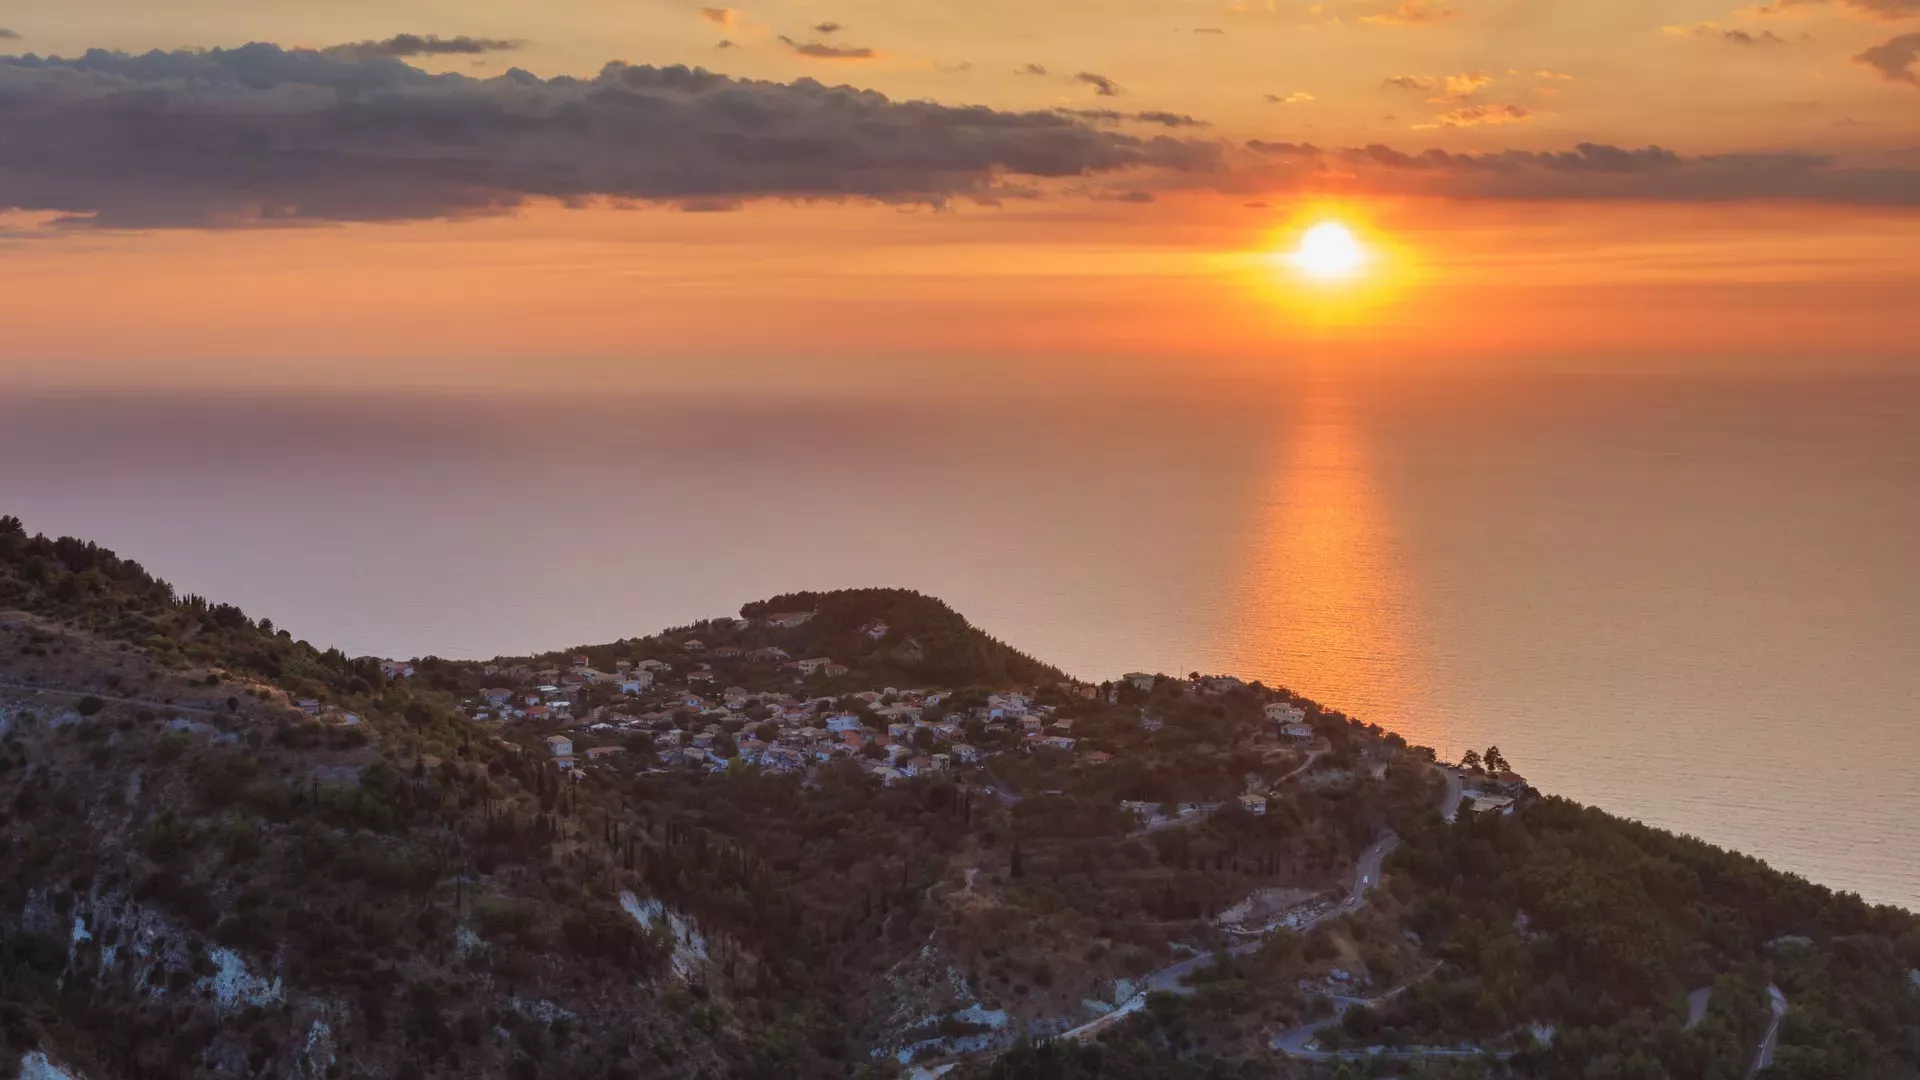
column 1020, row 189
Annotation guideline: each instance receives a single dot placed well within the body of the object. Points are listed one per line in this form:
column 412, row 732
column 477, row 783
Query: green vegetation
column 187, row 810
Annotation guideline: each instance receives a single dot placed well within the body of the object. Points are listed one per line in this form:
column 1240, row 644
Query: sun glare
column 1329, row 252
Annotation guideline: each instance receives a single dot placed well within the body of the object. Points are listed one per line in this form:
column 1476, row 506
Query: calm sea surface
column 1695, row 603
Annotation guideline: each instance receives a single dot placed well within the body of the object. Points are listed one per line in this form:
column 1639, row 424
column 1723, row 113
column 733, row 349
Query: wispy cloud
column 1477, row 116
column 1873, row 9
column 1588, row 171
column 1031, row 69
column 1729, row 35
column 1896, row 59
column 719, row 16
column 1102, row 85
column 820, row 50
column 1115, row 116
column 401, row 46
column 827, row 28
column 1410, row 13
column 1447, row 89
column 9, row 35
column 1298, row 97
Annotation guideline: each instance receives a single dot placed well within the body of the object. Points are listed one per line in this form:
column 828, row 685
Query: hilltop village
column 714, row 696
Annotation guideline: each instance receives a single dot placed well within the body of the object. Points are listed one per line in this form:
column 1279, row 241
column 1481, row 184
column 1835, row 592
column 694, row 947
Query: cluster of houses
column 691, row 720
column 895, row 733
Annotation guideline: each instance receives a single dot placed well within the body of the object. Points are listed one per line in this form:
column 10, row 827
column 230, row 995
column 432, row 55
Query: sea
column 1689, row 600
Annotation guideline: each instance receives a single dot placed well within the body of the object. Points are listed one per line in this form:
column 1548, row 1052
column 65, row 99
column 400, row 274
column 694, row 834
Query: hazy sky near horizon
column 419, row 192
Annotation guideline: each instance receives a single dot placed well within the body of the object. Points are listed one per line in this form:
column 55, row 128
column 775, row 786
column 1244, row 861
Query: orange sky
column 1067, row 285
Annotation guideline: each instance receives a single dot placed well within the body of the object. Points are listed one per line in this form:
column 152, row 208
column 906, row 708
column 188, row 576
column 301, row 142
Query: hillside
column 846, row 834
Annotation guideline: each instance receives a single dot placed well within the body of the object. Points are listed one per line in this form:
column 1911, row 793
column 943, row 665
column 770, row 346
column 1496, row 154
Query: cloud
column 1409, row 13
column 1456, row 87
column 1102, row 85
column 9, row 35
column 827, row 28
column 1588, row 171
column 1876, row 9
column 725, row 43
column 1031, row 69
column 259, row 135
column 1283, row 149
column 406, row 45
column 1114, row 116
column 1553, row 76
column 1727, row 35
column 820, row 50
column 1894, row 59
column 719, row 16
column 1447, row 89
column 1478, row 115
column 1298, row 97
column 1208, row 30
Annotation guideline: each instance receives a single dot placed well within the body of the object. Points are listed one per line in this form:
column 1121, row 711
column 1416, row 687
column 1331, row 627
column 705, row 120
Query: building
column 1140, row 680
column 1297, row 731
column 1285, row 712
column 1254, row 804
column 560, row 745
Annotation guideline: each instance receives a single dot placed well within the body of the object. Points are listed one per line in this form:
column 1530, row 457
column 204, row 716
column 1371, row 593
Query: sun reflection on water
column 1324, row 601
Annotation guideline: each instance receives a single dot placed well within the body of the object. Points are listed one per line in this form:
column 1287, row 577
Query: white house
column 560, row 745
column 1254, row 804
column 1285, row 712
column 1140, row 680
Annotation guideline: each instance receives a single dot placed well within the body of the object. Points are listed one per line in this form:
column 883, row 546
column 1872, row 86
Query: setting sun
column 1329, row 252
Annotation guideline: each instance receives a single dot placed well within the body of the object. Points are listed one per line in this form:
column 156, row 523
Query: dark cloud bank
column 1595, row 171
column 260, row 134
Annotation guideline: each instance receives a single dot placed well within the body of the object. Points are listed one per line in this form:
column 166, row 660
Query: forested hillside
column 224, row 851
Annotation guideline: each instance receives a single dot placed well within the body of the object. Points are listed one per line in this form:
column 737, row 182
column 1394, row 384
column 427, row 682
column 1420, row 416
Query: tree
column 1471, row 760
column 89, row 705
column 1496, row 762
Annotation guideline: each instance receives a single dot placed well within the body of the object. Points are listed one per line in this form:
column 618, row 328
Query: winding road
column 1456, row 790
column 1777, row 1005
column 1366, row 874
